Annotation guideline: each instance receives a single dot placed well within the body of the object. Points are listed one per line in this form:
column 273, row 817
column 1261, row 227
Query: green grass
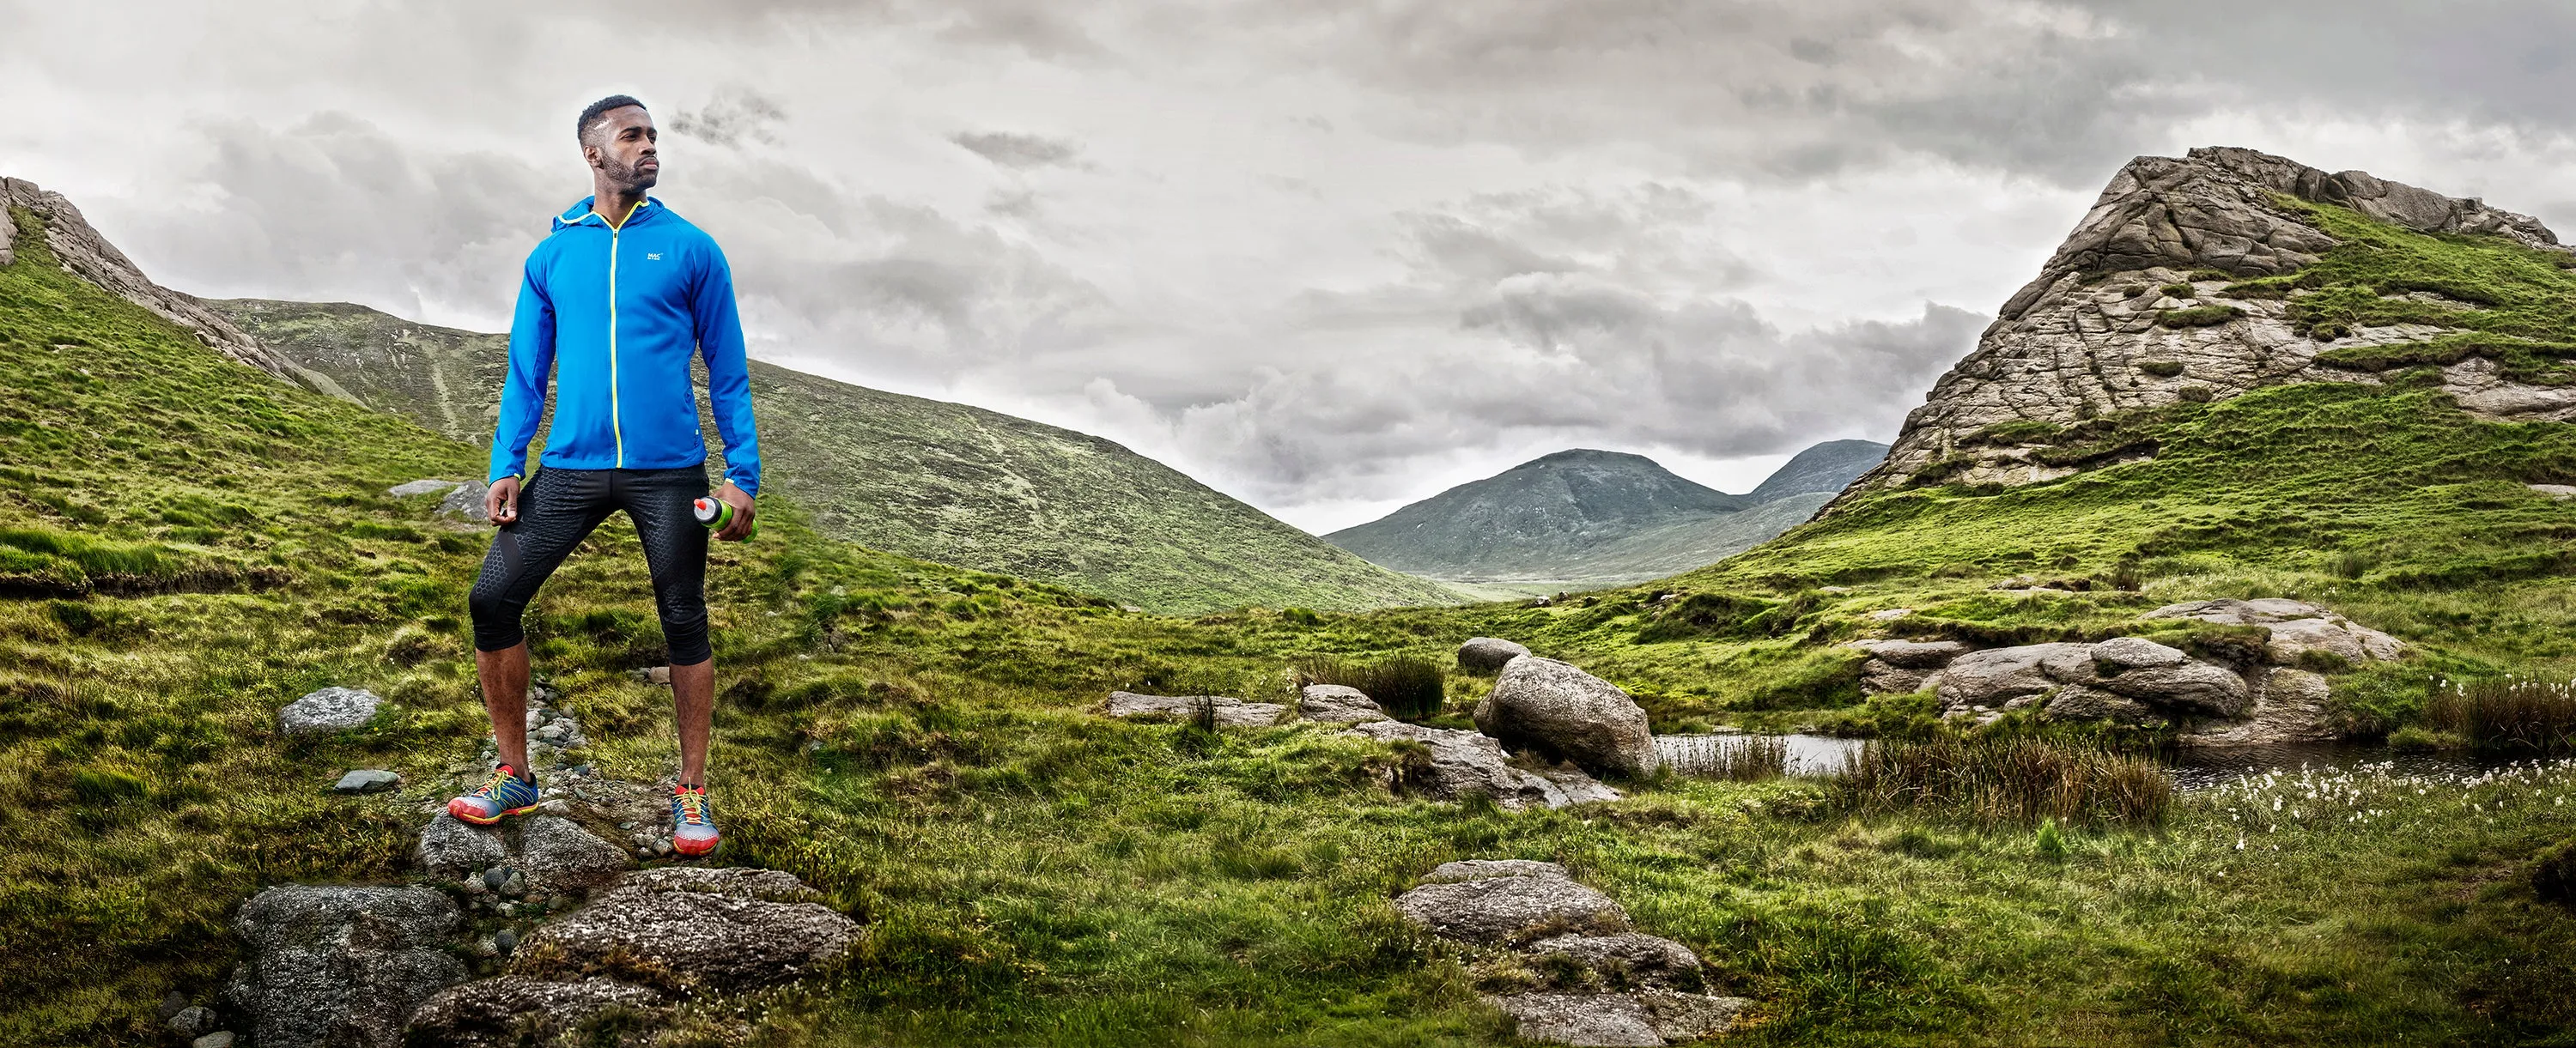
column 913, row 740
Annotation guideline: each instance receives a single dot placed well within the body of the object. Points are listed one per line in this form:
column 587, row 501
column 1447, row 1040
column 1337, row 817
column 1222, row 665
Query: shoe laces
column 502, row 774
column 693, row 805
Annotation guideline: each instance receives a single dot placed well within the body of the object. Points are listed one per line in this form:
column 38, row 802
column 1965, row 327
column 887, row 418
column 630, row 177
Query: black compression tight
column 558, row 508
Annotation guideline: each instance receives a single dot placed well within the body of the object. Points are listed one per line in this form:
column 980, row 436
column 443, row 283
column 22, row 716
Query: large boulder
column 337, row 966
column 727, row 928
column 329, row 709
column 514, row 1010
column 2297, row 629
column 1912, row 654
column 1498, row 907
column 1996, row 676
column 1608, row 1020
column 1337, row 704
column 1488, row 654
column 1452, row 764
column 2290, row 707
column 2185, row 689
column 551, row 853
column 1558, row 710
column 1230, row 712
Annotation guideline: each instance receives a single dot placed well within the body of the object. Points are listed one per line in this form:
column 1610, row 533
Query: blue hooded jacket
column 621, row 310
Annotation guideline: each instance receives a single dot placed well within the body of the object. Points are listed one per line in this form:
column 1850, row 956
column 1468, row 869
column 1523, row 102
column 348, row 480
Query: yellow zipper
column 616, row 425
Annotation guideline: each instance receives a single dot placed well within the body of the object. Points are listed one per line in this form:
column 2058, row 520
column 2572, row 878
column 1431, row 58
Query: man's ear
column 590, row 155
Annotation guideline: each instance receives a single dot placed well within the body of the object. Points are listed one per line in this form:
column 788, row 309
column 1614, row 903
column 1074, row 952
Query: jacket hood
column 580, row 213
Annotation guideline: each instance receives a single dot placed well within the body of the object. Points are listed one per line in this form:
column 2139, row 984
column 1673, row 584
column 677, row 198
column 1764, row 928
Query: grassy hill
column 922, row 478
column 196, row 543
column 1580, row 519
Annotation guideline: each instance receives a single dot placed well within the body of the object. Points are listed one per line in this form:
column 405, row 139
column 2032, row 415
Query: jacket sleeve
column 523, row 390
column 728, row 370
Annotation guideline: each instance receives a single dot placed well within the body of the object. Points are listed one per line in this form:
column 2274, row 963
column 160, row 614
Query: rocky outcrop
column 335, row 966
column 2084, row 339
column 549, row 853
column 1488, row 654
column 1560, row 711
column 2277, row 696
column 515, row 1010
column 1447, row 764
column 1560, row 958
column 80, row 250
column 1228, row 712
column 728, row 928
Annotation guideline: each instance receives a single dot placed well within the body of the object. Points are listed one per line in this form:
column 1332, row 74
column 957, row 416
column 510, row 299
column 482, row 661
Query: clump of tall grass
column 2516, row 713
column 1407, row 687
column 1741, row 758
column 2019, row 780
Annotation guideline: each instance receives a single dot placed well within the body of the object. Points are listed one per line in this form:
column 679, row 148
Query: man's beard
column 629, row 177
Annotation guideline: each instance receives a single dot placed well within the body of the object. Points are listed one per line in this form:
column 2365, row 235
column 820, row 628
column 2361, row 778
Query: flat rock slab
column 513, row 1010
column 1457, row 763
column 1628, row 960
column 1230, row 712
column 726, row 928
column 330, row 709
column 1338, row 704
column 552, row 854
column 2229, row 611
column 1495, row 910
column 366, row 780
column 333, row 966
column 1912, row 654
column 425, row 486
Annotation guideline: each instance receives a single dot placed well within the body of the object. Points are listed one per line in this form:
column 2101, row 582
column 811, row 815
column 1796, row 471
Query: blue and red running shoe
column 506, row 794
column 693, row 821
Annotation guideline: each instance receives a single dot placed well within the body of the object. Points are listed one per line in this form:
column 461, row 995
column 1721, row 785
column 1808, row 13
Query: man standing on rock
column 614, row 302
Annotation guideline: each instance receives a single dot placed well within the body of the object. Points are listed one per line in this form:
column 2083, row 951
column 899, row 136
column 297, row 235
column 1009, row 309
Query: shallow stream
column 2192, row 768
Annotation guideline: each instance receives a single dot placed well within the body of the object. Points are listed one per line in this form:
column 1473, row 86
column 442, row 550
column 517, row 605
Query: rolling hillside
column 922, row 478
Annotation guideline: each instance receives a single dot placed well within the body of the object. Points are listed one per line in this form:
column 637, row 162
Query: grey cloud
column 734, row 114
column 1017, row 151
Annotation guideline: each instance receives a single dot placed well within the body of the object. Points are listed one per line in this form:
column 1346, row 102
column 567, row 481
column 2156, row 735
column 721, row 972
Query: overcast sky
column 1329, row 257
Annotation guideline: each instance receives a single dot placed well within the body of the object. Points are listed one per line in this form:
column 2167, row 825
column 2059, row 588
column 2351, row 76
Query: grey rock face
column 2229, row 611
column 557, row 853
column 366, row 780
column 217, row 1039
column 1488, row 654
column 466, row 502
column 192, row 1022
column 1628, row 960
column 1494, row 910
column 1996, row 675
column 1603, row 1019
column 333, row 966
column 1912, row 654
column 80, row 249
column 1457, row 763
column 2129, row 653
column 449, row 848
column 1561, row 711
column 1879, row 678
column 2297, row 628
column 330, row 709
column 1336, row 704
column 1682, row 1017
column 512, row 1010
column 2076, row 702
column 2074, row 343
column 725, row 928
column 1230, row 712
column 425, row 486
column 2191, row 689
column 2290, row 707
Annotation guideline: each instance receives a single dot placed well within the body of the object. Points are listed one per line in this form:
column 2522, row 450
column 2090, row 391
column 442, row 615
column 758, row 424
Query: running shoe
column 693, row 821
column 506, row 794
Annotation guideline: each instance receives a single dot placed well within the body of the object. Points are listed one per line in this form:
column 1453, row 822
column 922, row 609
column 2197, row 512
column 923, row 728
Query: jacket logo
column 654, row 256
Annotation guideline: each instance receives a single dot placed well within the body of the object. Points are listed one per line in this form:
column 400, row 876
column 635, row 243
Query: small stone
column 193, row 1022
column 505, row 941
column 515, row 884
column 425, row 486
column 366, row 780
column 217, row 1039
column 472, row 886
column 628, row 825
column 493, row 877
column 661, row 846
column 658, row 675
column 172, row 1005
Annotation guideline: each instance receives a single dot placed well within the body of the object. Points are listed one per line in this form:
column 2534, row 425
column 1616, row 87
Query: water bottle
column 715, row 513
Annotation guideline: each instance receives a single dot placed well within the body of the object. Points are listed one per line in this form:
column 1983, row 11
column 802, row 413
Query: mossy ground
column 912, row 739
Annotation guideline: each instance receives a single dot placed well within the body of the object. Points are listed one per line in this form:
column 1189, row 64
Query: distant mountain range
column 1587, row 517
column 922, row 478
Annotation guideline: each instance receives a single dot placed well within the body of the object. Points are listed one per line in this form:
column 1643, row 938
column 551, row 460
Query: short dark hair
column 591, row 113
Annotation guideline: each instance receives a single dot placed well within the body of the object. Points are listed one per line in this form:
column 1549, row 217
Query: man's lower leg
column 693, row 697
column 504, row 676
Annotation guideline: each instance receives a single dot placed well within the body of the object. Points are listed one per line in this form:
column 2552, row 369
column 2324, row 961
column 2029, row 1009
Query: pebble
column 493, row 877
column 661, row 846
column 505, row 941
column 192, row 1021
column 474, row 886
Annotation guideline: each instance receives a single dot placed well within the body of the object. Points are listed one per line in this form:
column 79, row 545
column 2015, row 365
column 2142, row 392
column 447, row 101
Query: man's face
column 625, row 150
